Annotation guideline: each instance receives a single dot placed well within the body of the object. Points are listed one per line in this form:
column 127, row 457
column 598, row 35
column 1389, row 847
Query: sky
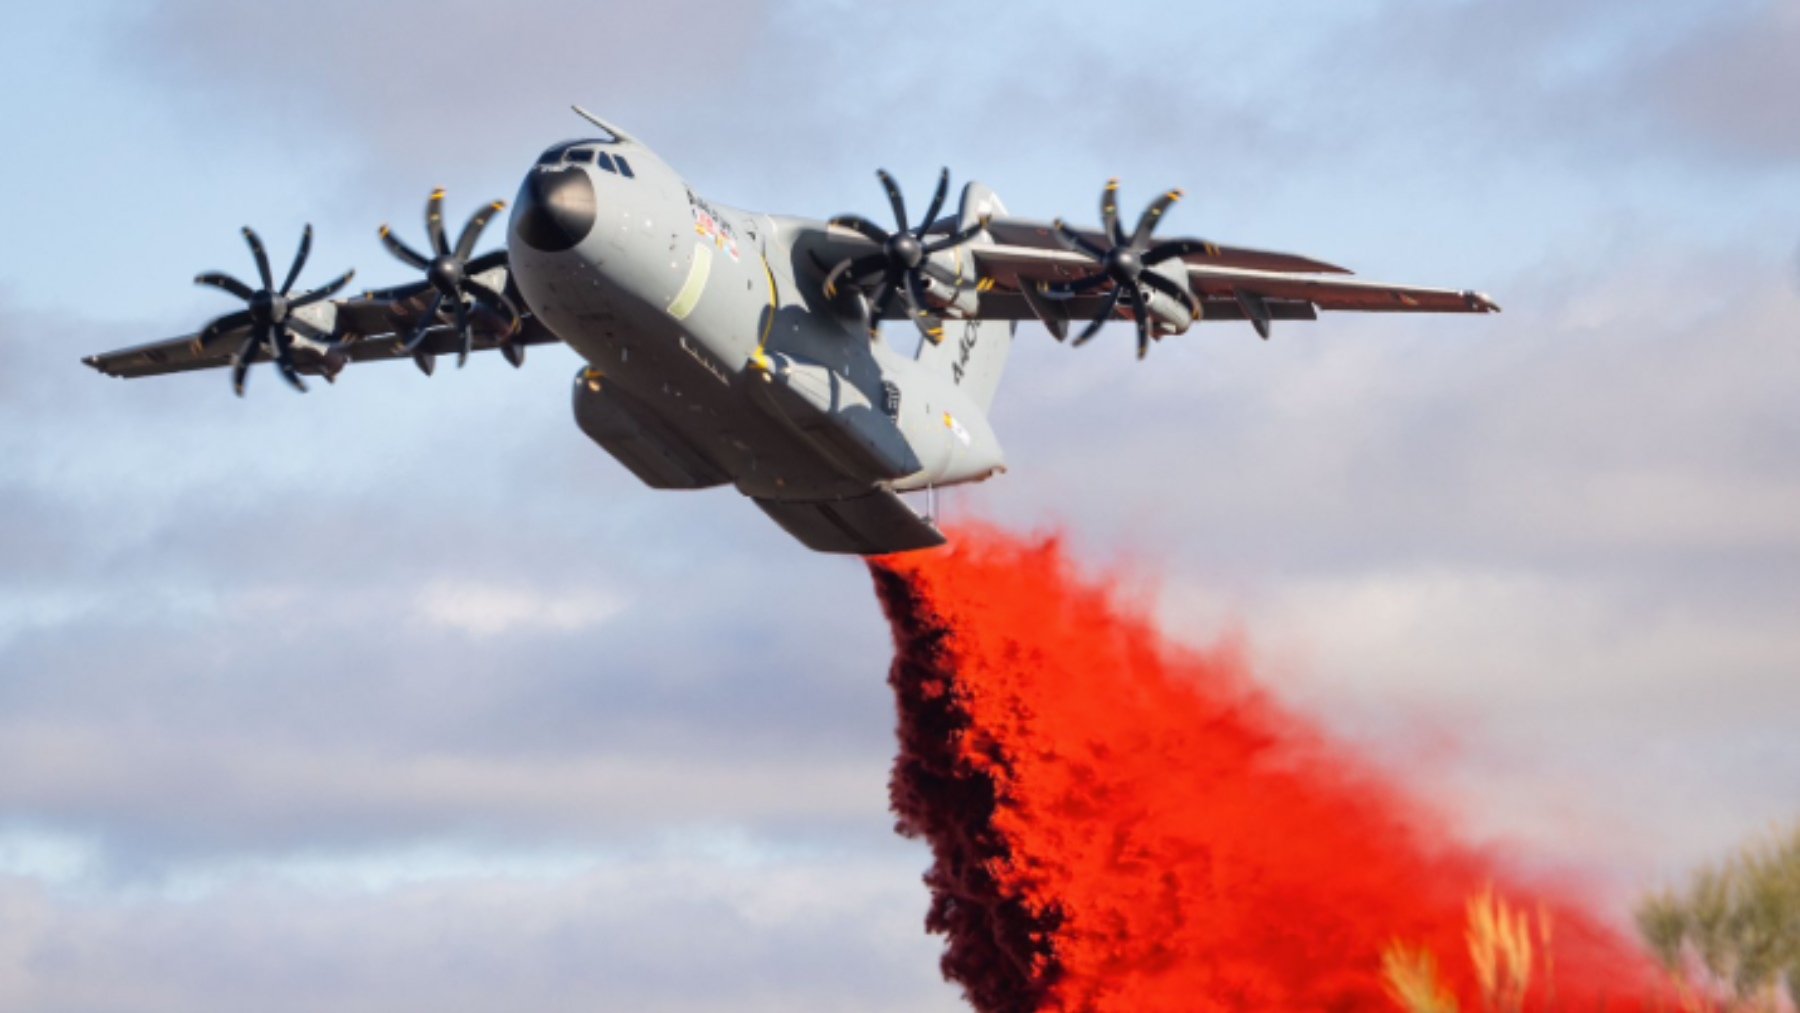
column 403, row 695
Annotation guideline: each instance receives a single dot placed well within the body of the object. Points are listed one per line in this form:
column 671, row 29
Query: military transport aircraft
column 731, row 347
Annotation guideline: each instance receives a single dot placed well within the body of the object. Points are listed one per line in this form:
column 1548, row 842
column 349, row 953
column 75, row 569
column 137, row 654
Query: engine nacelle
column 1169, row 315
column 959, row 302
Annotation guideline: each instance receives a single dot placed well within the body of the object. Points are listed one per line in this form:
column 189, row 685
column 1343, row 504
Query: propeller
column 903, row 263
column 270, row 314
column 448, row 270
column 1125, row 264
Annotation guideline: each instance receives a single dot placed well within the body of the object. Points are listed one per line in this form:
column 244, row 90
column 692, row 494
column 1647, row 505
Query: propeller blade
column 1143, row 329
column 426, row 322
column 855, row 269
column 324, row 291
column 929, row 326
column 261, row 255
column 284, row 360
column 219, row 279
column 299, row 259
column 399, row 249
column 228, row 322
column 496, row 298
column 831, row 277
column 941, row 274
column 467, row 333
column 515, row 353
column 465, row 243
column 1179, row 248
column 1171, row 289
column 1152, row 214
column 434, row 221
column 895, row 201
column 425, row 361
column 246, row 354
column 1100, row 319
column 1076, row 241
column 959, row 238
column 937, row 202
column 868, row 229
column 1109, row 211
column 878, row 307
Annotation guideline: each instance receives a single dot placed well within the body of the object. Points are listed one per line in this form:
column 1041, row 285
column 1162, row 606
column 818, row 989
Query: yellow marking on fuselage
column 761, row 357
column 691, row 289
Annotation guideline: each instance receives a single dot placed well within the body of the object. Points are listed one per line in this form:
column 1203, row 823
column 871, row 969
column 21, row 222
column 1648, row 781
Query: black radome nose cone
column 555, row 210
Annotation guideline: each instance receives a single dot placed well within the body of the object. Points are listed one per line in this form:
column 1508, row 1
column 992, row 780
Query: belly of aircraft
column 673, row 373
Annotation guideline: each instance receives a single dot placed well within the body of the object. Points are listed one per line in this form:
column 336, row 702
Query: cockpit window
column 624, row 166
column 574, row 151
column 605, row 161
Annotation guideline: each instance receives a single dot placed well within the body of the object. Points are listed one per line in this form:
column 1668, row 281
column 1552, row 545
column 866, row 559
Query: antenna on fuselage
column 618, row 135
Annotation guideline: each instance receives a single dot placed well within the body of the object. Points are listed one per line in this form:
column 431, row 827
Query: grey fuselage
column 715, row 357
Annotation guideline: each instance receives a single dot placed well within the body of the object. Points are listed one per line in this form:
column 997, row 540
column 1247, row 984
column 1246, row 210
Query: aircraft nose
column 555, row 210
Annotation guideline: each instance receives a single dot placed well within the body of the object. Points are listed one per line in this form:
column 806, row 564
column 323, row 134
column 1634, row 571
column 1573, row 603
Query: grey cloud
column 1721, row 83
column 211, row 621
column 1565, row 537
column 1604, row 416
column 675, row 933
column 208, row 612
column 418, row 79
column 1624, row 88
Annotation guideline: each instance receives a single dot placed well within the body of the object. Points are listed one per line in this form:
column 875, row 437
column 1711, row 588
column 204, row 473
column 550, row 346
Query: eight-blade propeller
column 270, row 315
column 1125, row 264
column 904, row 261
column 448, row 271
column 901, row 267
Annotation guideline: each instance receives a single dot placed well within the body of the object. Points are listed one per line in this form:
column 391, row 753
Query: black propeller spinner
column 904, row 260
column 1124, row 264
column 449, row 272
column 270, row 315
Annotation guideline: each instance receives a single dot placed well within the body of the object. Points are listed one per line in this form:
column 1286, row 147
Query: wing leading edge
column 1222, row 282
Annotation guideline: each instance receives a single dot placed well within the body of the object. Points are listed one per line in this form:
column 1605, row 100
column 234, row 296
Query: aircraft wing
column 329, row 335
column 1230, row 283
column 1026, row 234
column 180, row 355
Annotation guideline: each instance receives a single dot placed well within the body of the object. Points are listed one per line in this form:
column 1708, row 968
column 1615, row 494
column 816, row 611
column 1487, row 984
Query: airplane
column 727, row 347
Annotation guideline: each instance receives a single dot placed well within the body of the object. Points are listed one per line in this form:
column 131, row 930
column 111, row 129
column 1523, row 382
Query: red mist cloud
column 1121, row 824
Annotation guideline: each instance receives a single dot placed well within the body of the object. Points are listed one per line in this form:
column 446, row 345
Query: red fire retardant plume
column 1120, row 824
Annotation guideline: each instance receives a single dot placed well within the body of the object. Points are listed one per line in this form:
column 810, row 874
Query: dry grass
column 1501, row 954
column 1413, row 982
column 1499, row 940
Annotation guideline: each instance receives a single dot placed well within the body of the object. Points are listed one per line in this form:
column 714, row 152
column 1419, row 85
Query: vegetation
column 1413, row 982
column 1501, row 952
column 1731, row 940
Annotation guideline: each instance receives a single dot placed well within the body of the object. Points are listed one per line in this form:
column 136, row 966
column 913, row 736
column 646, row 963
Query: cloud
column 1561, row 537
column 1714, row 84
column 676, row 932
column 418, row 80
column 487, row 610
column 244, row 640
